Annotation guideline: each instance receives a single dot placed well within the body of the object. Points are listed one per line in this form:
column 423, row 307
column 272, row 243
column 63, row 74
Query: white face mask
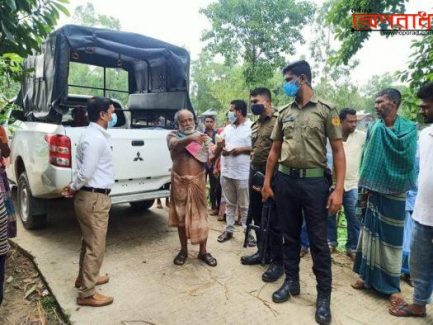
column 231, row 117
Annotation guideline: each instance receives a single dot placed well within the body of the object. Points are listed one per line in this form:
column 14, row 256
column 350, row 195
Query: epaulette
column 276, row 112
column 282, row 108
column 327, row 104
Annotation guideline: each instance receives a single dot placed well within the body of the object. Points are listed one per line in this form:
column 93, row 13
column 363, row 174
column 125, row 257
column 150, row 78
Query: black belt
column 96, row 190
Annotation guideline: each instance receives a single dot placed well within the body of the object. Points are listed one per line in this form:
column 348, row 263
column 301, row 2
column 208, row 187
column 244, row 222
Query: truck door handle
column 137, row 143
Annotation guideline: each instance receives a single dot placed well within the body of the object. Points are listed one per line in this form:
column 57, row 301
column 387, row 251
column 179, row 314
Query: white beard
column 188, row 132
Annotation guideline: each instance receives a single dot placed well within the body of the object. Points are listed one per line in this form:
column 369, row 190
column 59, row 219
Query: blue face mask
column 112, row 123
column 231, row 117
column 291, row 88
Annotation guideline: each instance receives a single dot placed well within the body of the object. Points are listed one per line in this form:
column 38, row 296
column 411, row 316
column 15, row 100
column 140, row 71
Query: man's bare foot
column 396, row 299
column 359, row 285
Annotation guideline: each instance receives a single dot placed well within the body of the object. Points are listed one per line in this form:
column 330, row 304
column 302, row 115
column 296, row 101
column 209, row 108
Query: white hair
column 177, row 115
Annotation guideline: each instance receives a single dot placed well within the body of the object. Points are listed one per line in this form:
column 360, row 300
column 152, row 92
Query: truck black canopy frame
column 153, row 66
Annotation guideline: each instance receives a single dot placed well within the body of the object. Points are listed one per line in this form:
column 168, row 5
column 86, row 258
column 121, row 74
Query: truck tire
column 142, row 205
column 32, row 211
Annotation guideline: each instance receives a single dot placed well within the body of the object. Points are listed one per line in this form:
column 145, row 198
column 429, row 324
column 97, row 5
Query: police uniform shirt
column 261, row 131
column 303, row 132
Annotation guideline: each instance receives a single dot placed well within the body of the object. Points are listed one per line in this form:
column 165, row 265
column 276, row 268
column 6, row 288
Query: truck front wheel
column 32, row 211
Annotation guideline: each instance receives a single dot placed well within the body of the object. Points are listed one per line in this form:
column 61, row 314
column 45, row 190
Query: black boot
column 289, row 287
column 251, row 259
column 323, row 309
column 273, row 273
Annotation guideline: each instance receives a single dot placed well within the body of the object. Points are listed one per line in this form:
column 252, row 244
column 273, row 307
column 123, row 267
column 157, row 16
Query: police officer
column 261, row 130
column 299, row 146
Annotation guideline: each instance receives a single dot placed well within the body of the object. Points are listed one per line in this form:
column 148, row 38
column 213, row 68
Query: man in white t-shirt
column 353, row 143
column 421, row 249
column 235, row 151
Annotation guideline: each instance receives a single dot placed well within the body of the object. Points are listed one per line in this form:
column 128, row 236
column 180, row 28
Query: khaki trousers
column 92, row 213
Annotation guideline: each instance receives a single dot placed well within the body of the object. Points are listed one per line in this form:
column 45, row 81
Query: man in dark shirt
column 261, row 130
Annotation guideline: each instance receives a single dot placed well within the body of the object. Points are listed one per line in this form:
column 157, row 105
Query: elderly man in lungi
column 189, row 151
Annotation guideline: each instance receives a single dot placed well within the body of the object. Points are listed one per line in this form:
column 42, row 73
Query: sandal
column 180, row 258
column 208, row 259
column 404, row 311
column 397, row 301
column 359, row 285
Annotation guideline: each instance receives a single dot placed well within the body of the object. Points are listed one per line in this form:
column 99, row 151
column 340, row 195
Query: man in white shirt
column 91, row 186
column 353, row 143
column 421, row 248
column 235, row 165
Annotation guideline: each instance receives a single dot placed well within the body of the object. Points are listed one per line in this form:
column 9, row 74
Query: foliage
column 256, row 33
column 203, row 74
column 25, row 23
column 340, row 18
column 86, row 16
column 92, row 76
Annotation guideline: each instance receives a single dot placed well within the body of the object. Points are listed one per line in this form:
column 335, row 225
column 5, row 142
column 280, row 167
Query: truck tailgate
column 141, row 158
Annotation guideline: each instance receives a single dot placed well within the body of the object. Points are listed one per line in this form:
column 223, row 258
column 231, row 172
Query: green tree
column 421, row 60
column 25, row 23
column 339, row 17
column 23, row 26
column 256, row 33
column 204, row 72
column 91, row 76
column 86, row 16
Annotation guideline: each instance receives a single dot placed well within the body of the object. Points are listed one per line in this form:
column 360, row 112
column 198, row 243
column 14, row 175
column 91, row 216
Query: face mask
column 291, row 88
column 231, row 117
column 112, row 123
column 257, row 109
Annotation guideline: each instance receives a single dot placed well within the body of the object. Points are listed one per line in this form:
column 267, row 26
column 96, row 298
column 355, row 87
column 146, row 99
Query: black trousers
column 2, row 275
column 309, row 195
column 255, row 211
column 215, row 190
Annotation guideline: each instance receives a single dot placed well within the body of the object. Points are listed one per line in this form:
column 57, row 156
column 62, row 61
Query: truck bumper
column 134, row 197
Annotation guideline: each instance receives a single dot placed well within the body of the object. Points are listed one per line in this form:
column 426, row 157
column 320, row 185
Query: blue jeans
column 353, row 222
column 421, row 263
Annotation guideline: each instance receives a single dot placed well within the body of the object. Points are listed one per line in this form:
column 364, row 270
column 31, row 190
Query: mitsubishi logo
column 138, row 158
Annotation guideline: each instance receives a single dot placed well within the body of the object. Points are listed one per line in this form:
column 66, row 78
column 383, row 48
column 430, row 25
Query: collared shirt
column 94, row 160
column 423, row 212
column 304, row 130
column 353, row 147
column 261, row 131
column 236, row 136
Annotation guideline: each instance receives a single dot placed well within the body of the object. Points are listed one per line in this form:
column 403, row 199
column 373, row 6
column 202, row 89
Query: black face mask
column 257, row 109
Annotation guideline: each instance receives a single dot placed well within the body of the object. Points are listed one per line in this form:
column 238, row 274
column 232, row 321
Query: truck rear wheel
column 32, row 211
column 142, row 205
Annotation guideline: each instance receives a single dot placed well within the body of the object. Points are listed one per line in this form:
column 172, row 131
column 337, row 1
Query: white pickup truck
column 48, row 125
column 42, row 163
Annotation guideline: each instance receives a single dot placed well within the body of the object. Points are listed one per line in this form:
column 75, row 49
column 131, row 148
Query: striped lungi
column 379, row 253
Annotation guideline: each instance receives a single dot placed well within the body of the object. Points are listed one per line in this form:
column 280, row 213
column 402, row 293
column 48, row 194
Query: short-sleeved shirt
column 261, row 131
column 236, row 136
column 304, row 131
